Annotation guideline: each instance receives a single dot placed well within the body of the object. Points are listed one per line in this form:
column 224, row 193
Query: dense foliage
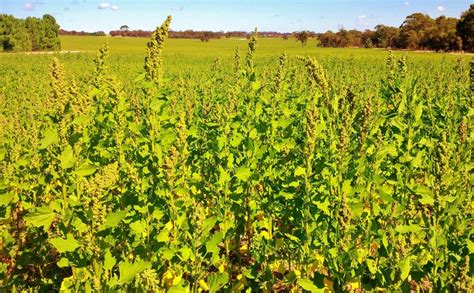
column 192, row 34
column 295, row 177
column 465, row 28
column 418, row 32
column 63, row 32
column 30, row 34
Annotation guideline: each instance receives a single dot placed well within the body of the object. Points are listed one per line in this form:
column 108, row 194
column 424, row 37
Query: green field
column 221, row 47
column 193, row 58
column 201, row 170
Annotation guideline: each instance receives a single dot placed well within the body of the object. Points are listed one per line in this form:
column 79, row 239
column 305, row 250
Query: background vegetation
column 418, row 32
column 30, row 34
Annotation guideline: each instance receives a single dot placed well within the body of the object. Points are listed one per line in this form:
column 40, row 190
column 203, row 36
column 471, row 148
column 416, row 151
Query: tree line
column 63, row 32
column 30, row 34
column 418, row 32
column 204, row 36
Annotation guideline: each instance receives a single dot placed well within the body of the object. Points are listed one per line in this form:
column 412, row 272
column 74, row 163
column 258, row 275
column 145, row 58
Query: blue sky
column 216, row 15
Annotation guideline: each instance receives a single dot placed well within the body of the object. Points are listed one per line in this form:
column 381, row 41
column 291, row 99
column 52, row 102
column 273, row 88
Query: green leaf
column 211, row 245
column 372, row 266
column 113, row 219
column 470, row 246
column 138, row 227
column 398, row 123
column 208, row 224
column 258, row 110
column 236, row 139
column 67, row 158
column 408, row 229
column 63, row 263
column 300, row 171
column 186, row 253
column 253, row 134
column 418, row 111
column 178, row 289
column 405, row 268
column 128, row 271
column 67, row 285
column 156, row 104
column 256, row 85
column 224, row 176
column 418, row 160
column 471, row 112
column 5, row 199
column 134, row 127
column 109, row 260
column 388, row 150
column 243, row 173
column 427, row 200
column 50, row 137
column 286, row 195
column 346, row 187
column 65, row 245
column 426, row 195
column 85, row 169
column 284, row 123
column 217, row 281
column 308, row 285
column 292, row 238
column 163, row 236
column 41, row 217
column 423, row 190
column 323, row 206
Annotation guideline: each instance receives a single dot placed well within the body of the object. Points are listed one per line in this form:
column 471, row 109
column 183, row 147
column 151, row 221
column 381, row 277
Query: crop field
column 259, row 165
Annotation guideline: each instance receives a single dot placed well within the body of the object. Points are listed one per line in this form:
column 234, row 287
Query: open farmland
column 235, row 165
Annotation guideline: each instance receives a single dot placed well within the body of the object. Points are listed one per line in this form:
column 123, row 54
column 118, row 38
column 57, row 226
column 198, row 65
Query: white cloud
column 362, row 20
column 104, row 5
column 179, row 8
column 441, row 8
column 407, row 3
column 107, row 5
column 29, row 6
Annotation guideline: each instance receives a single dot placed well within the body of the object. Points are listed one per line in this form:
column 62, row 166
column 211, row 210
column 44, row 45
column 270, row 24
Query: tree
column 35, row 29
column 50, row 40
column 366, row 39
column 413, row 31
column 385, row 36
column 302, row 37
column 29, row 34
column 13, row 34
column 328, row 39
column 205, row 37
column 465, row 29
column 124, row 28
column 443, row 37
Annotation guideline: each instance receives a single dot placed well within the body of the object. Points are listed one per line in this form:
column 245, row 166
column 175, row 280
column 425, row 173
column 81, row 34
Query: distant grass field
column 226, row 47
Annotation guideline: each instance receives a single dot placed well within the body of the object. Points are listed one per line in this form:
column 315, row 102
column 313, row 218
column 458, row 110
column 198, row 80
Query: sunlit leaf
column 243, row 173
column 41, row 217
column 128, row 270
column 65, row 245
